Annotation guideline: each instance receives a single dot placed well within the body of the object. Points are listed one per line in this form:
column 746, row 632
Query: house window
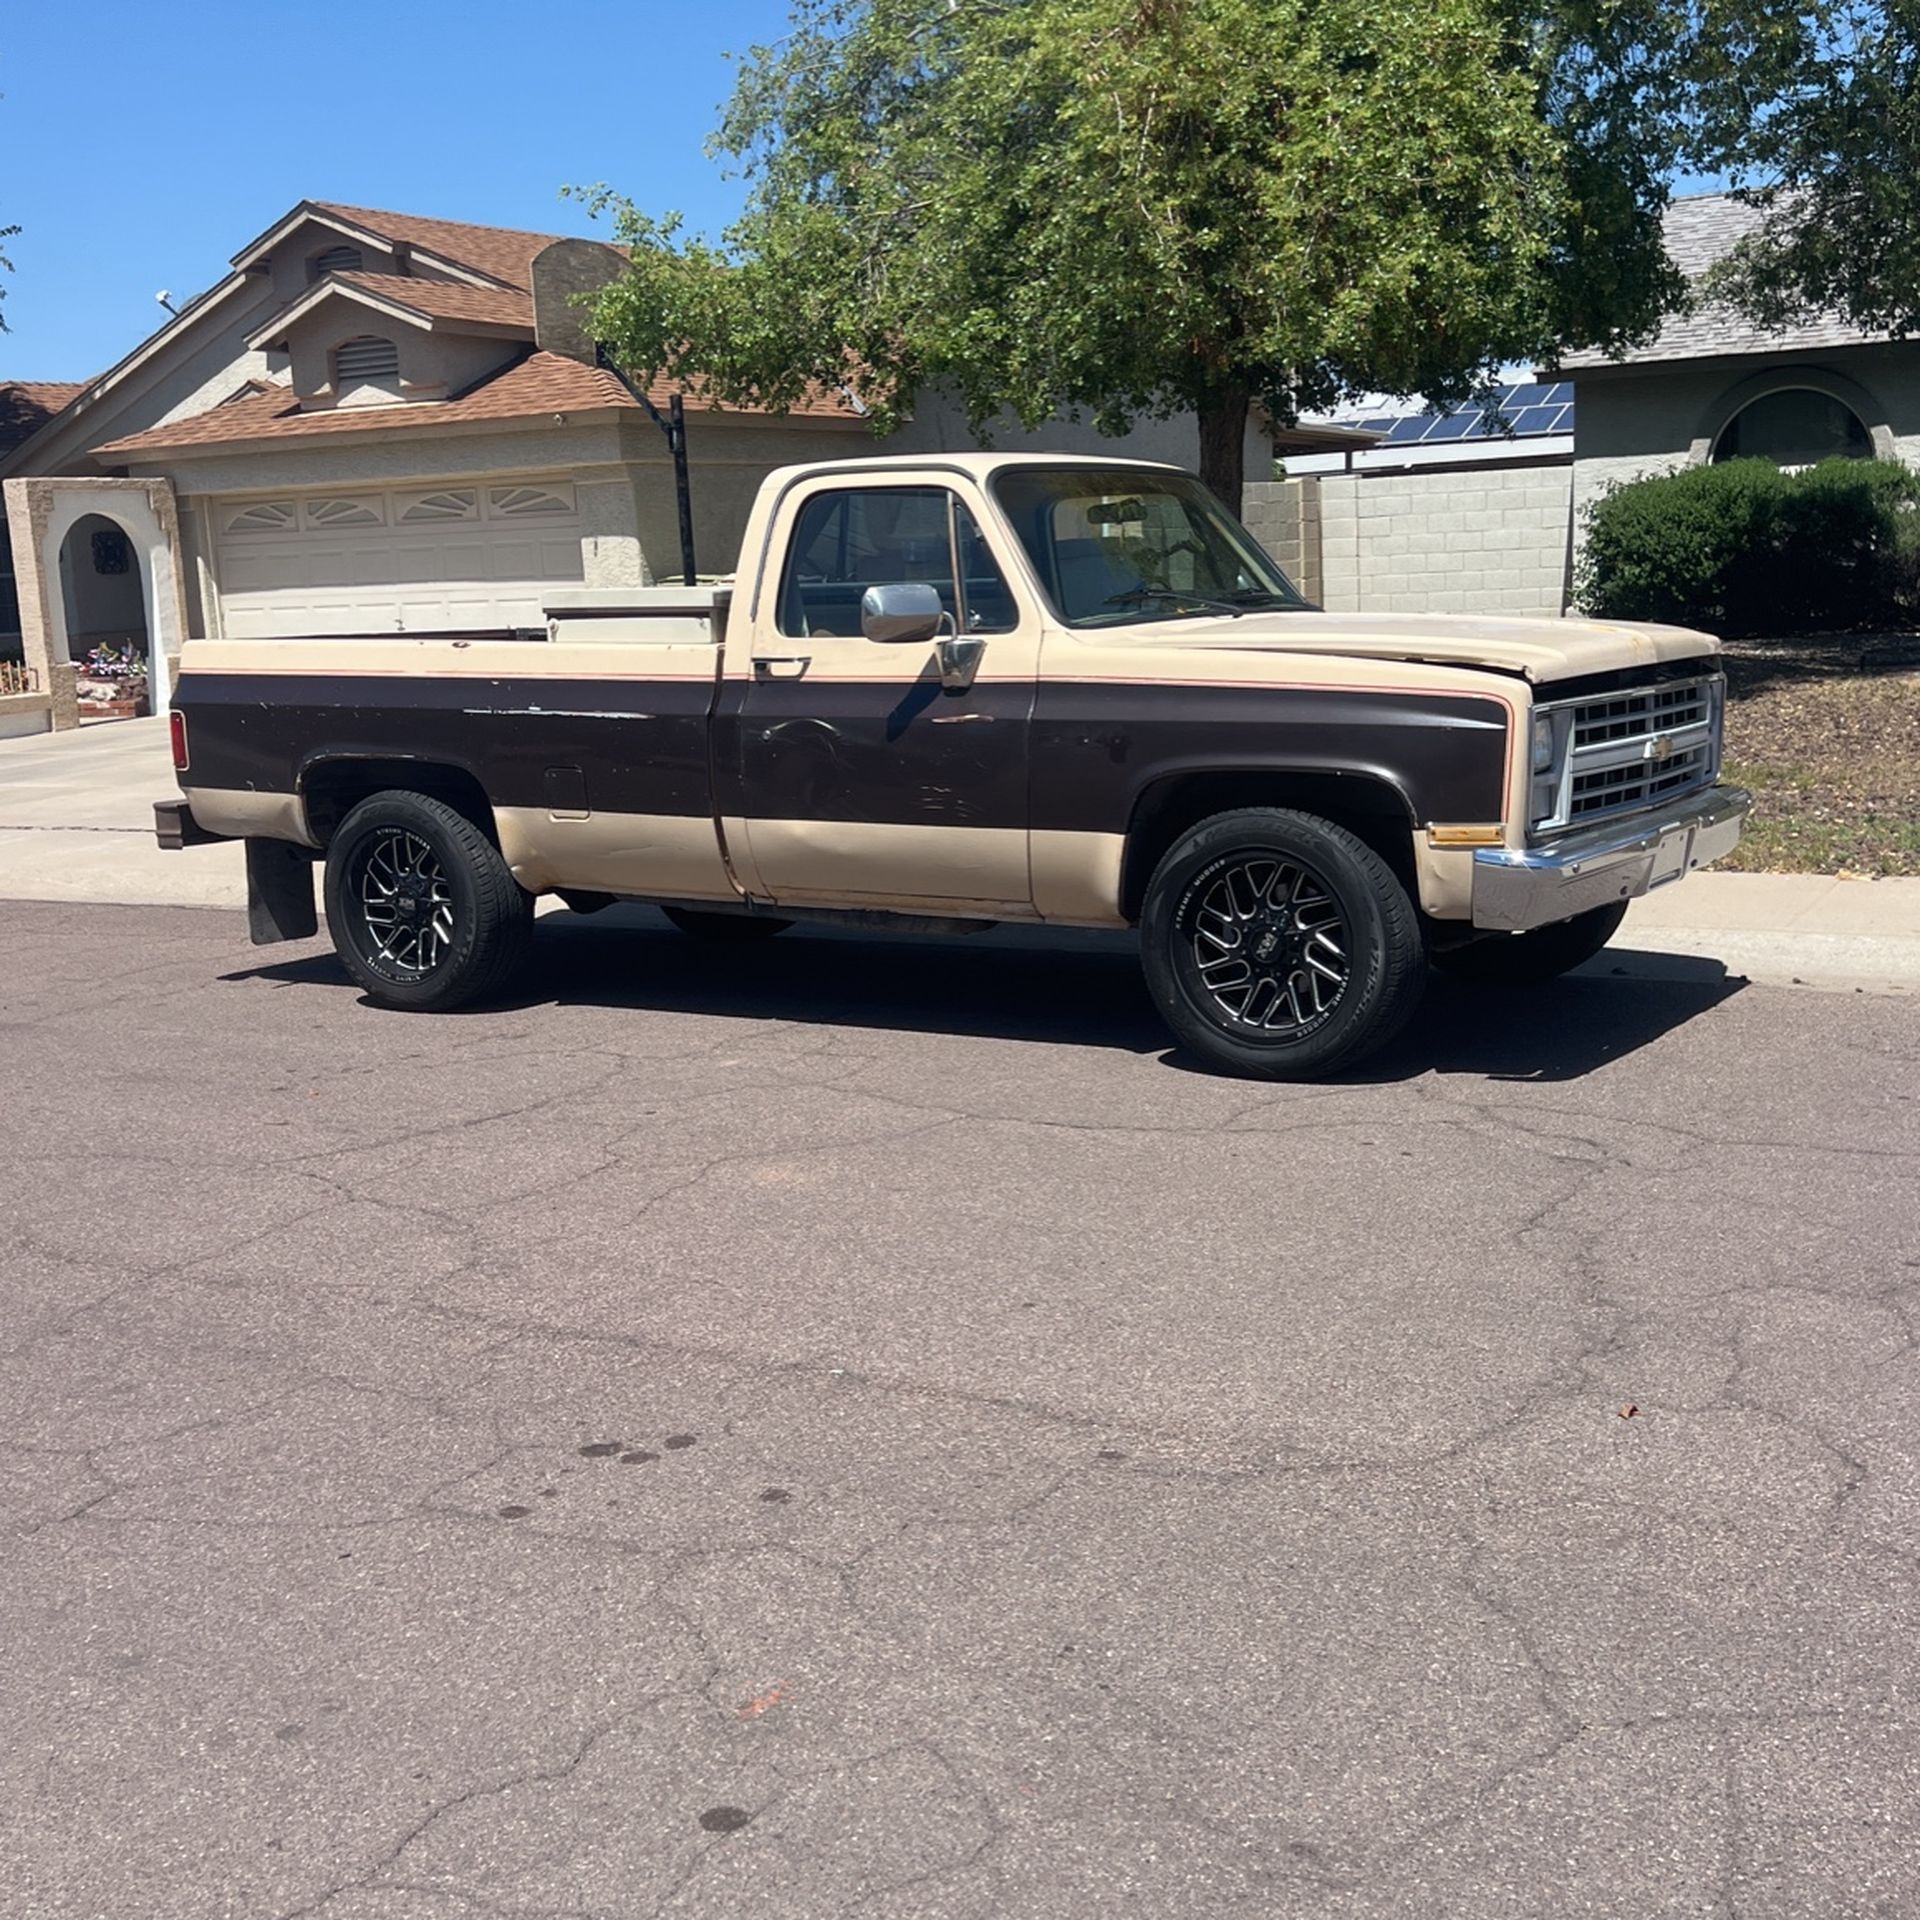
column 335, row 260
column 109, row 550
column 368, row 359
column 1795, row 427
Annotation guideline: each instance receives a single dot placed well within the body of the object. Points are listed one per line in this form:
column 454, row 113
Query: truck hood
column 1541, row 649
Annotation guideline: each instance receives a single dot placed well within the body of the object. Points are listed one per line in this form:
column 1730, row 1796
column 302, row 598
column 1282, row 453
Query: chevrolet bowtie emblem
column 1662, row 748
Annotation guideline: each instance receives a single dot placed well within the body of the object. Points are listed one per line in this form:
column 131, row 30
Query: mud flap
column 279, row 893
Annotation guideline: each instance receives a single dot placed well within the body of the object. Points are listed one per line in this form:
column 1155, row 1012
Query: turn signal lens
column 1543, row 743
column 177, row 734
column 1487, row 836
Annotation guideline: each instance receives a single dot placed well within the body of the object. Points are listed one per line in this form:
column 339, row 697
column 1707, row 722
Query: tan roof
column 1699, row 233
column 541, row 383
column 502, row 253
column 445, row 299
column 27, row 405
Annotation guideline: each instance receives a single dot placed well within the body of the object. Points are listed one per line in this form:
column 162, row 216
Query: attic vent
column 335, row 260
column 369, row 358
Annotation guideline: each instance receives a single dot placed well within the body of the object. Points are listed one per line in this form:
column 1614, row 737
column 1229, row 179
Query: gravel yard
column 1826, row 731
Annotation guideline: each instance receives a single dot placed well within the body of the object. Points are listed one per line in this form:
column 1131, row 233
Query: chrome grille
column 1635, row 748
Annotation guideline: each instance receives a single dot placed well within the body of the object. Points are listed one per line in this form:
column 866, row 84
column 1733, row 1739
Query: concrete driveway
column 76, row 822
column 854, row 1428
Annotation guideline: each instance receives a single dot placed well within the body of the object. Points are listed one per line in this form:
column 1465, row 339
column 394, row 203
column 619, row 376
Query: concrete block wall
column 1432, row 540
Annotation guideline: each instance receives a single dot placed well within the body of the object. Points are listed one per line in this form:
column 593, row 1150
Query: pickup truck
column 945, row 691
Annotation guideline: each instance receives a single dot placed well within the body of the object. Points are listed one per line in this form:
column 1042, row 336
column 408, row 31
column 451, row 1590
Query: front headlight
column 1543, row 743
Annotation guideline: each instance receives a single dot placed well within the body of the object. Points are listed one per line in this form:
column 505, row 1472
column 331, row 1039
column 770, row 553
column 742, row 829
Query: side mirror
column 902, row 613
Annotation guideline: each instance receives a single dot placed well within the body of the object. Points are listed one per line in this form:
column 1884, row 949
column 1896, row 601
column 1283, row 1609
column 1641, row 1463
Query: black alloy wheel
column 423, row 910
column 1279, row 945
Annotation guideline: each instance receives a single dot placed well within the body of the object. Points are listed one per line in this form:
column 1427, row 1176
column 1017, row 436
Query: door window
column 845, row 542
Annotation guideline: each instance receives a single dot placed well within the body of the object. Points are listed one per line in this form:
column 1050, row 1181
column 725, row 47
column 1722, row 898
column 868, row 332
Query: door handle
column 781, row 666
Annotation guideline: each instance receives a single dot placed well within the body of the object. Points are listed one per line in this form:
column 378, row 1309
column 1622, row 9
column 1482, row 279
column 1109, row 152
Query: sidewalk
column 1785, row 929
column 76, row 823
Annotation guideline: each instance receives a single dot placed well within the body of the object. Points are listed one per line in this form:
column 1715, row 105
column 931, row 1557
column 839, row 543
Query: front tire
column 1526, row 959
column 423, row 911
column 1279, row 946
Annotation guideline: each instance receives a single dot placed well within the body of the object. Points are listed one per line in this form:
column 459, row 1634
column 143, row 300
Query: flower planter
column 113, row 699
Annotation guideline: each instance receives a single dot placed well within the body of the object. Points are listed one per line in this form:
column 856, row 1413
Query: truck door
column 866, row 777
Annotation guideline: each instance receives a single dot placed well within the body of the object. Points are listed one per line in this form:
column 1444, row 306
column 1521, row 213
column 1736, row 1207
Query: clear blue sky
column 145, row 143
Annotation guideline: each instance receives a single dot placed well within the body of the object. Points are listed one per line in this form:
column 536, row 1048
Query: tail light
column 177, row 734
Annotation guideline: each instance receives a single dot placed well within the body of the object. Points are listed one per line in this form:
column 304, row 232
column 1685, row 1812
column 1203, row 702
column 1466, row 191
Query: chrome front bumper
column 1515, row 888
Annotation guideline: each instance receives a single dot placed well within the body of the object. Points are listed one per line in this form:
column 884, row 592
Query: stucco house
column 1711, row 385
column 377, row 422
column 1442, row 516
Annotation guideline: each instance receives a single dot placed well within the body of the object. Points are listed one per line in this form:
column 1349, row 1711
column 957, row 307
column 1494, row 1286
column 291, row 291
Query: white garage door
column 412, row 561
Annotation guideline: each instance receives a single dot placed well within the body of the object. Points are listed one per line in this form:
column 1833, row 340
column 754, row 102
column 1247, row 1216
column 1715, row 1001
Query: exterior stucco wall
column 1638, row 420
column 1433, row 540
column 203, row 367
column 429, row 362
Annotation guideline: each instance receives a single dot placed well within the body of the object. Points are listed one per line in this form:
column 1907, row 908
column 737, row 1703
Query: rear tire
column 1525, row 959
column 1279, row 946
column 726, row 929
column 423, row 911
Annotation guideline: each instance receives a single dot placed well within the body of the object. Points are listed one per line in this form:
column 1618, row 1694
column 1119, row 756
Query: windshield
column 1117, row 545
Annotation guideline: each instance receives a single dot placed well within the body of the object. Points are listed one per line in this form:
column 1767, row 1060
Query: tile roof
column 445, row 299
column 538, row 383
column 502, row 253
column 1699, row 233
column 27, row 405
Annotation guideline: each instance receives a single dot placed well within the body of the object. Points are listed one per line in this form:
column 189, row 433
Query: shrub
column 1742, row 548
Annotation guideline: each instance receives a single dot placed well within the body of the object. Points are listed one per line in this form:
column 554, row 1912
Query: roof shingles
column 1700, row 232
column 27, row 405
column 446, row 299
column 539, row 383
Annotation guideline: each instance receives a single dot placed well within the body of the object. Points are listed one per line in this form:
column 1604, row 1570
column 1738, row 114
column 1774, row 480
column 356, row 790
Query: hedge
column 1743, row 548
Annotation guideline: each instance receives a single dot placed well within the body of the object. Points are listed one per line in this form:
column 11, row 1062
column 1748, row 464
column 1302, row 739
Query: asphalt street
column 857, row 1428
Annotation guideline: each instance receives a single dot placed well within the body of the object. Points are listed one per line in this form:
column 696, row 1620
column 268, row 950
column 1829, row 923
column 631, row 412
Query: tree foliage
column 1825, row 139
column 1131, row 208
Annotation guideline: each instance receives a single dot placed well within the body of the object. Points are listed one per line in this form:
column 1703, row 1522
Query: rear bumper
column 175, row 827
column 1516, row 888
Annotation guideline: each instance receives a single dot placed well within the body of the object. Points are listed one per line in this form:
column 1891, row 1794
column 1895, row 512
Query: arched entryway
column 104, row 598
column 106, row 570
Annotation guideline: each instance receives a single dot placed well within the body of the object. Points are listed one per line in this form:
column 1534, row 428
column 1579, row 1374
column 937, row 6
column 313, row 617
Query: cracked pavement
column 855, row 1428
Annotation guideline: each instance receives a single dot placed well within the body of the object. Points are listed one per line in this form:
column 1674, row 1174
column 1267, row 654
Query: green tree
column 1823, row 136
column 1131, row 208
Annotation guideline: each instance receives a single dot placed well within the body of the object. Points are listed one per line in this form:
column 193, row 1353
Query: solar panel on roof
column 1532, row 394
column 1408, row 428
column 1455, row 426
column 1561, row 392
column 1535, row 419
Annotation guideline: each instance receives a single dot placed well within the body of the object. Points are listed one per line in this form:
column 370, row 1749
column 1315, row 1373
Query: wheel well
column 332, row 788
column 1367, row 807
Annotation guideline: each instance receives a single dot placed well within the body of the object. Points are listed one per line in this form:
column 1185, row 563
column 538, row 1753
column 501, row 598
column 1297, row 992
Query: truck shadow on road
column 1066, row 989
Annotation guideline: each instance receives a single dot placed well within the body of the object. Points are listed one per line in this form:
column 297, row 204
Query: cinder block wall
column 1427, row 541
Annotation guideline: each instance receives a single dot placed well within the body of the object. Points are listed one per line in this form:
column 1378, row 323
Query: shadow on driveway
column 1067, row 989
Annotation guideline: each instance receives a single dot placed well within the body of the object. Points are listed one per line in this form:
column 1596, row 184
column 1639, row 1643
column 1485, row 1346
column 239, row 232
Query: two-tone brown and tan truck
column 946, row 691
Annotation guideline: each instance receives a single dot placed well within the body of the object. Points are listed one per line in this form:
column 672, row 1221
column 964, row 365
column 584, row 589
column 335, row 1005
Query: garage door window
column 437, row 507
column 525, row 503
column 263, row 516
column 364, row 512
